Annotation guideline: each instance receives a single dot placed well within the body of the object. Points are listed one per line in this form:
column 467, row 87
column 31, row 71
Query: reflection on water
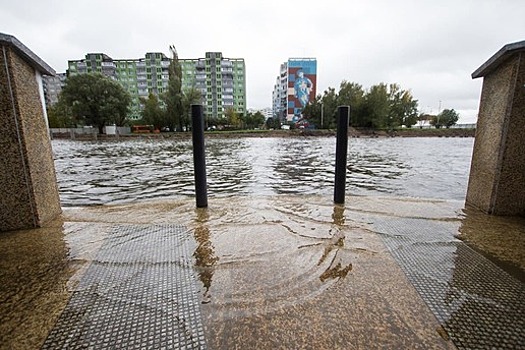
column 502, row 239
column 333, row 244
column 34, row 271
column 205, row 258
column 123, row 171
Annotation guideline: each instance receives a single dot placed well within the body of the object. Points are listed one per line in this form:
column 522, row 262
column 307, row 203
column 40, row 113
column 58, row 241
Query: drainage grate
column 139, row 293
column 478, row 304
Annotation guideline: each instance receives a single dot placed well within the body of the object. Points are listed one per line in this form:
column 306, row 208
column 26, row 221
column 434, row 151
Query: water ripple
column 94, row 173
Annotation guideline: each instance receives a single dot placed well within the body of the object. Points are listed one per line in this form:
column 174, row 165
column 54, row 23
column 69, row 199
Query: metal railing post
column 341, row 151
column 199, row 159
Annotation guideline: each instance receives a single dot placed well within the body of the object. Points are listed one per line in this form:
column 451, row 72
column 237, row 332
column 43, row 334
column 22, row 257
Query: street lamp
column 322, row 114
column 439, row 112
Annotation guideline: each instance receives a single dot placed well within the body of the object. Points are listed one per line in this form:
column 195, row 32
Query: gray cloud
column 428, row 47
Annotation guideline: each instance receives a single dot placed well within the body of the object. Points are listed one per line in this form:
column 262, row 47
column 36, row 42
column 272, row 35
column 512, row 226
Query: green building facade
column 221, row 81
column 139, row 77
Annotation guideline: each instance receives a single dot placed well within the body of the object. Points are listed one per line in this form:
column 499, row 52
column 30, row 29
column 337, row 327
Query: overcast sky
column 428, row 47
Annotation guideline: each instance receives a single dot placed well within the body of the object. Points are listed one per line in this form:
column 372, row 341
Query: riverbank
column 352, row 132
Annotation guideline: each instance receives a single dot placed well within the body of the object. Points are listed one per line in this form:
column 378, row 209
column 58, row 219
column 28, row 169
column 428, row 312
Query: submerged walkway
column 272, row 273
column 479, row 305
column 138, row 293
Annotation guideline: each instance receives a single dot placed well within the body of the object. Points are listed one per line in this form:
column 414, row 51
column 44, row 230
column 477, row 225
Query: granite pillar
column 28, row 188
column 497, row 174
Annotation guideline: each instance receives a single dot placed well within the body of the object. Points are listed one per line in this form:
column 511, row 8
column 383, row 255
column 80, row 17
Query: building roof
column 28, row 55
column 498, row 58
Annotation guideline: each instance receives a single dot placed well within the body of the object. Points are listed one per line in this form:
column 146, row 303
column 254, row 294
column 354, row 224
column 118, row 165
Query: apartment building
column 294, row 87
column 222, row 82
column 53, row 85
column 139, row 77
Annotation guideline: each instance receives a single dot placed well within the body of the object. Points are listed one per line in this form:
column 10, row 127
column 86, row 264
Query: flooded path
column 274, row 263
column 273, row 271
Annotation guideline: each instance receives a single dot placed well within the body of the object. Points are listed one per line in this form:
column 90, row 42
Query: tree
column 402, row 109
column 376, row 107
column 97, row 99
column 447, row 118
column 189, row 97
column 273, row 123
column 173, row 97
column 313, row 111
column 59, row 115
column 232, row 118
column 254, row 120
column 352, row 94
column 329, row 101
column 152, row 114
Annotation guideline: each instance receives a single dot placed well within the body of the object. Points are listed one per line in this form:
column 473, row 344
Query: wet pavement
column 276, row 272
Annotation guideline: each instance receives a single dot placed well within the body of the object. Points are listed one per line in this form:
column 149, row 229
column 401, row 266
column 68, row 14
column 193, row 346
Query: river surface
column 123, row 171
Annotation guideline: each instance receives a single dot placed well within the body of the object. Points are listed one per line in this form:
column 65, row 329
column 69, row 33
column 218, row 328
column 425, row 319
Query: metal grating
column 478, row 304
column 139, row 293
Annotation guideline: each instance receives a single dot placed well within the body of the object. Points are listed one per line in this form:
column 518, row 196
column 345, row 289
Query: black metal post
column 199, row 159
column 341, row 151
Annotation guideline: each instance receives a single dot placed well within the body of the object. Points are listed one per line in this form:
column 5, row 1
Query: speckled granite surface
column 497, row 175
column 28, row 189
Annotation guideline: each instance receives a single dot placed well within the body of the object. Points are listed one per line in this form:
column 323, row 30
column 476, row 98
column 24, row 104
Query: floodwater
column 91, row 173
column 279, row 265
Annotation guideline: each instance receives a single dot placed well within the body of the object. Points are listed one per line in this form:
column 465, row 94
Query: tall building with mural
column 222, row 82
column 295, row 86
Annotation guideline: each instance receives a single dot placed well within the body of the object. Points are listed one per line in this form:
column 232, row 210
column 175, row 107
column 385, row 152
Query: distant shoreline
column 355, row 133
column 352, row 133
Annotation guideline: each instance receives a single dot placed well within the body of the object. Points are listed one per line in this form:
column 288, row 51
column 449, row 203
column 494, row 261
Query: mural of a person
column 302, row 88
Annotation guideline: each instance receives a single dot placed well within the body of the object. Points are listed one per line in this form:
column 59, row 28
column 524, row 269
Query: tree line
column 382, row 106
